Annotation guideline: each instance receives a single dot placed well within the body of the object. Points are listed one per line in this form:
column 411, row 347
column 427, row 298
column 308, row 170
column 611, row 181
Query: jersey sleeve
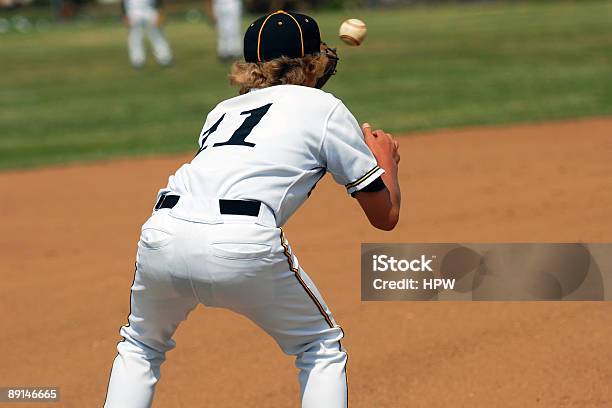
column 345, row 153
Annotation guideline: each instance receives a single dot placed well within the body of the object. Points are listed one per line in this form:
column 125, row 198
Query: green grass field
column 69, row 93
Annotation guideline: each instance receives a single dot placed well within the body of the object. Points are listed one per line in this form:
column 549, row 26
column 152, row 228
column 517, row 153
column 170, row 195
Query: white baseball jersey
column 273, row 145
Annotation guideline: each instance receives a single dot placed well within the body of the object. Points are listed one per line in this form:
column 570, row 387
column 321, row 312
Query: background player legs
column 228, row 14
column 158, row 304
column 136, row 50
column 159, row 43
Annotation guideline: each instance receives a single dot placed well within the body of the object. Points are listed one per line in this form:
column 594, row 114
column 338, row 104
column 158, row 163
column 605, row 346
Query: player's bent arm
column 382, row 207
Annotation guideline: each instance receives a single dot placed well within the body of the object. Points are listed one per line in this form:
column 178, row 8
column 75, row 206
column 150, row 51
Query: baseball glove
column 332, row 62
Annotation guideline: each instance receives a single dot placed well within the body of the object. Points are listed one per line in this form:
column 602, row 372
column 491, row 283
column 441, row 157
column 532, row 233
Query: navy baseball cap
column 279, row 34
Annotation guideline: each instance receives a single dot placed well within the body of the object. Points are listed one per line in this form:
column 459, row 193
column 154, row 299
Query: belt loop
column 160, row 197
column 160, row 202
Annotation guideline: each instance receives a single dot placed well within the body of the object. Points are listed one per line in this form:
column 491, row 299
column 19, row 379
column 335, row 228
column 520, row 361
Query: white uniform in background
column 215, row 239
column 143, row 16
column 229, row 20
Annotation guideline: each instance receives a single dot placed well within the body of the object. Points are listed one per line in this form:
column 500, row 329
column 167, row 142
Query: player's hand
column 160, row 19
column 212, row 20
column 396, row 155
column 126, row 21
column 382, row 145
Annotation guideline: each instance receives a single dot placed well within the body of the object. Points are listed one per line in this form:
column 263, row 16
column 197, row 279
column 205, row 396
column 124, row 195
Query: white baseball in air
column 353, row 31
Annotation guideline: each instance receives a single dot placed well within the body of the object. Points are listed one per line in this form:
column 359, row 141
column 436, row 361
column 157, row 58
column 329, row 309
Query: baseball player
column 215, row 234
column 145, row 16
column 227, row 15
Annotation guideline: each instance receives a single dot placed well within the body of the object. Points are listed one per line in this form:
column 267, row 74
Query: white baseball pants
column 141, row 23
column 241, row 263
column 229, row 39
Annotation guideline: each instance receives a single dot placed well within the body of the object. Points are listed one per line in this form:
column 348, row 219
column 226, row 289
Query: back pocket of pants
column 237, row 250
column 153, row 238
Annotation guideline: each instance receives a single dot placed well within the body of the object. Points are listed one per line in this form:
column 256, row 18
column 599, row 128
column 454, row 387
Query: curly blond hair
column 280, row 71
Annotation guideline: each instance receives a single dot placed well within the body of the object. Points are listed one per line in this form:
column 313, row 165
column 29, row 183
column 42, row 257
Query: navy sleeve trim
column 377, row 185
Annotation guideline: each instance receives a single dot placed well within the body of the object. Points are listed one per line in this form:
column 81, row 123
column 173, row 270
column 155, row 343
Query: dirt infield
column 68, row 245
